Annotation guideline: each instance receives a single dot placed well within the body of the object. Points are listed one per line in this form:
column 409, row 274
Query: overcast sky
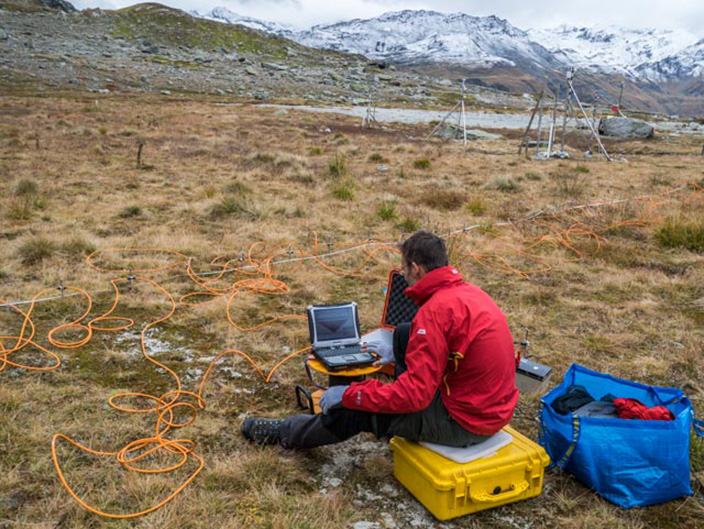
column 666, row 14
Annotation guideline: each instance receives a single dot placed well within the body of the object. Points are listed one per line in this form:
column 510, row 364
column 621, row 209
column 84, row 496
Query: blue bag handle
column 659, row 399
column 560, row 463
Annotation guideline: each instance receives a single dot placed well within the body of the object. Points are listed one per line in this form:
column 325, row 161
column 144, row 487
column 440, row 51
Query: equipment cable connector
column 61, row 288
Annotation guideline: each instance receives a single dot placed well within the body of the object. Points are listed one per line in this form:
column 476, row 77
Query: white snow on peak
column 223, row 14
column 428, row 36
column 611, row 49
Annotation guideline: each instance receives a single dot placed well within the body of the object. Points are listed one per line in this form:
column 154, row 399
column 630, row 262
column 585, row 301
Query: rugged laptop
column 335, row 336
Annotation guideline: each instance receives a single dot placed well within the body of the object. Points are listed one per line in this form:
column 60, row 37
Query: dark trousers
column 433, row 424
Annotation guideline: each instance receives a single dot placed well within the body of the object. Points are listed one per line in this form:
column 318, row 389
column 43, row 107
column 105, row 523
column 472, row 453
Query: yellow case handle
column 515, row 490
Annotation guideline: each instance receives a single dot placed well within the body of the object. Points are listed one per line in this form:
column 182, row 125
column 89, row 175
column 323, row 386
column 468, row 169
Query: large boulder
column 626, row 128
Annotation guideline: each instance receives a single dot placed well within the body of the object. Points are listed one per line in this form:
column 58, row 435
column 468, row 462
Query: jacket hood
column 433, row 281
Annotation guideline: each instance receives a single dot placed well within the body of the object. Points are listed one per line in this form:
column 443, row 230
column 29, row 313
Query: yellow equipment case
column 448, row 489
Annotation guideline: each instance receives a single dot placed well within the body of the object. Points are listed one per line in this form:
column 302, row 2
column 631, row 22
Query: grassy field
column 617, row 287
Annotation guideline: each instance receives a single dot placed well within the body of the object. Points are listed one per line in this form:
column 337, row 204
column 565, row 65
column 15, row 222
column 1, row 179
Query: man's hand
column 383, row 349
column 332, row 398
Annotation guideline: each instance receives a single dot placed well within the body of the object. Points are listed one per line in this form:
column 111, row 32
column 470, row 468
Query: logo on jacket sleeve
column 421, row 331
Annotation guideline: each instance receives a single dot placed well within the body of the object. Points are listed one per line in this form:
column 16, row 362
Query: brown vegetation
column 616, row 288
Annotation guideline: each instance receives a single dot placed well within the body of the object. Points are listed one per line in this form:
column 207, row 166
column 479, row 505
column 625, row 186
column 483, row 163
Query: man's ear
column 417, row 270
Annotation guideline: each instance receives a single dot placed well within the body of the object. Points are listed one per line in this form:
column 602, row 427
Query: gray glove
column 383, row 349
column 332, row 398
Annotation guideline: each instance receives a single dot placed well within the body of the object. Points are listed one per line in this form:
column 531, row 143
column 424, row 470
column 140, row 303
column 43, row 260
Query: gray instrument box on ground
column 531, row 376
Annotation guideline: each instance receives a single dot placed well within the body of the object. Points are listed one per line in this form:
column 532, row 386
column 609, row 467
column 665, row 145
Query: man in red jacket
column 455, row 369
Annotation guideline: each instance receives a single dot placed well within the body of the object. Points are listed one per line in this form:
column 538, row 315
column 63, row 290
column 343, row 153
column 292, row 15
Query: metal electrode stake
column 329, row 243
column 61, row 288
column 464, row 114
column 525, row 344
column 130, row 277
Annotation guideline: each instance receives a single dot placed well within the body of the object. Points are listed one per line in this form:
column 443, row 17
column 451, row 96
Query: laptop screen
column 335, row 323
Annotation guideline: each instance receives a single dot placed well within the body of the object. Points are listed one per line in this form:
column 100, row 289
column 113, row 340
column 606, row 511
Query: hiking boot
column 262, row 431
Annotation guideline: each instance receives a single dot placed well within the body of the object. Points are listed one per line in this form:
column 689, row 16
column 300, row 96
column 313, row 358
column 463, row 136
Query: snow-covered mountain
column 414, row 37
column 428, row 37
column 223, row 14
column 612, row 49
column 686, row 64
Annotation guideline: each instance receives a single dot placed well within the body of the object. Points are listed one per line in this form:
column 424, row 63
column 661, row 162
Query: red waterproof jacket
column 460, row 343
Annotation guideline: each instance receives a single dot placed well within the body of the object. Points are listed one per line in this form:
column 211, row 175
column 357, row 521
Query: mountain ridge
column 422, row 36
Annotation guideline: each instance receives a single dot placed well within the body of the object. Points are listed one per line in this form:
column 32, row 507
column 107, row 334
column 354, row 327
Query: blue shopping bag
column 632, row 463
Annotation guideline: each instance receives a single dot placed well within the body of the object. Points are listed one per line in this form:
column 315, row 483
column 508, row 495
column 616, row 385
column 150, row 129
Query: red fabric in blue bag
column 634, row 409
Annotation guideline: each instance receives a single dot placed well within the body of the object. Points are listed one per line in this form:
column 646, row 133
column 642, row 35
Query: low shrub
column 422, row 163
column 387, row 211
column 505, row 184
column 131, row 212
column 444, row 199
column 681, row 233
column 476, row 206
column 228, row 206
column 343, row 192
column 77, row 248
column 409, row 224
column 35, row 250
column 338, row 166
column 26, row 187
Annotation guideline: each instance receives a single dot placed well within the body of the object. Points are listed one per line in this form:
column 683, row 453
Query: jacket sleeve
column 426, row 359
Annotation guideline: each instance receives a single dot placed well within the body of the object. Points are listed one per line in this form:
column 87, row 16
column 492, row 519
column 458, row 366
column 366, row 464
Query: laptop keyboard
column 339, row 351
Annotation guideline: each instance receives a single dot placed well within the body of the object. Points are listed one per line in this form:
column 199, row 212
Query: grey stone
column 3, row 34
column 274, row 66
column 382, row 169
column 219, row 92
column 450, row 131
column 384, row 77
column 165, row 92
column 476, row 134
column 251, row 71
column 335, row 76
column 281, row 112
column 626, row 128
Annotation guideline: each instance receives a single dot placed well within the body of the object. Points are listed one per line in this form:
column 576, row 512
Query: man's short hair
column 425, row 249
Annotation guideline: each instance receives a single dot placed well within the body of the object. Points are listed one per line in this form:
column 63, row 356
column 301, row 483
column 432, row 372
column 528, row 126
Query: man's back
column 478, row 386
